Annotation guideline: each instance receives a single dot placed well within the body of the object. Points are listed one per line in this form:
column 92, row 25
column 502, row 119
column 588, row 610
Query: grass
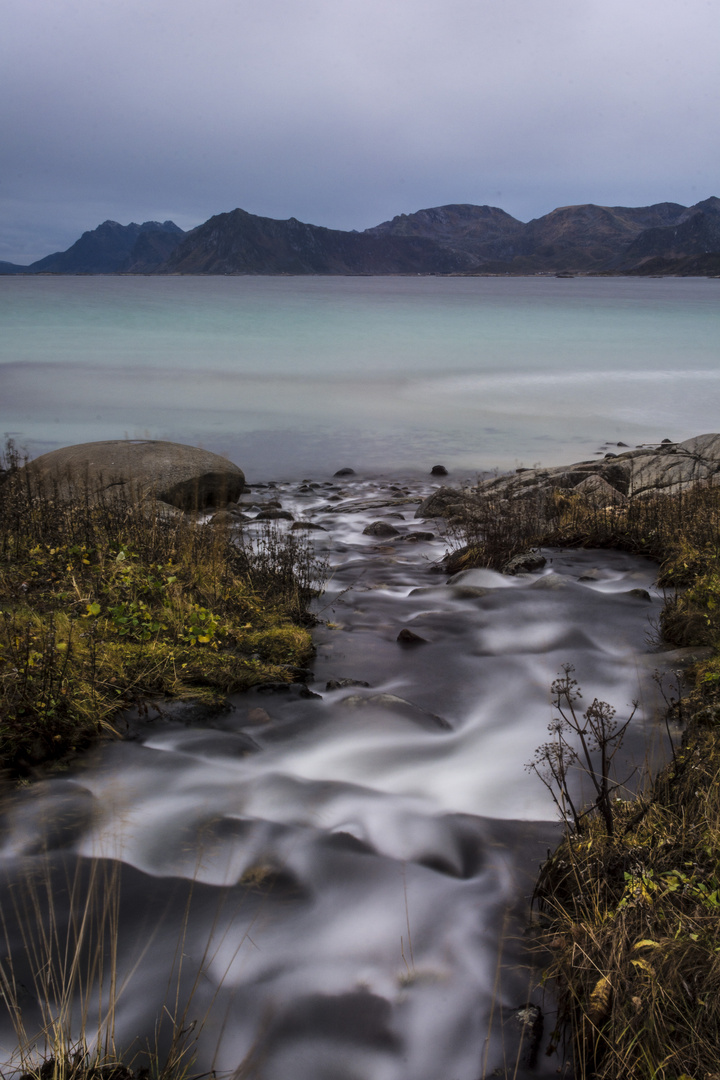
column 64, row 977
column 629, row 917
column 109, row 602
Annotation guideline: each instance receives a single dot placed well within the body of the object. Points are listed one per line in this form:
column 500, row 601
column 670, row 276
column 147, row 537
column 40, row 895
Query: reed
column 64, row 977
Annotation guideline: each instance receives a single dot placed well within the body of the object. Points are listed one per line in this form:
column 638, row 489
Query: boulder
column 597, row 492
column 273, row 513
column 438, row 503
column 380, row 528
column 183, row 476
column 529, row 562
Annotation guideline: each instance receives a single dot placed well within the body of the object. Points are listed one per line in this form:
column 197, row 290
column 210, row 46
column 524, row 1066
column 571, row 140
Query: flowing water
column 345, row 872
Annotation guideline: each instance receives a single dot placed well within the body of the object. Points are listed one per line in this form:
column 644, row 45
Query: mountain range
column 665, row 238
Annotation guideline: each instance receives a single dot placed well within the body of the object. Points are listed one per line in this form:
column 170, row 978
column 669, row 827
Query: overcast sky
column 347, row 112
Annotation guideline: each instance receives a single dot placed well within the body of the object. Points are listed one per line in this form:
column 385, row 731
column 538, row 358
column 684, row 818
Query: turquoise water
column 293, row 376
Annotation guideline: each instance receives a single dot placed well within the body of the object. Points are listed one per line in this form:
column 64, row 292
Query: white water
column 397, row 840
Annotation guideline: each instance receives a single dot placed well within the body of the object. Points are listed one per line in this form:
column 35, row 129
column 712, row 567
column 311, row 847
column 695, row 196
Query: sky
column 346, row 112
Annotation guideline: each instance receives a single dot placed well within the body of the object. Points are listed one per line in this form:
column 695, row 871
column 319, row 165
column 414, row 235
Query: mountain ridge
column 456, row 238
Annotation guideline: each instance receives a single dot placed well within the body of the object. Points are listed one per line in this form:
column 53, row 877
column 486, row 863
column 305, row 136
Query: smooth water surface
column 299, row 375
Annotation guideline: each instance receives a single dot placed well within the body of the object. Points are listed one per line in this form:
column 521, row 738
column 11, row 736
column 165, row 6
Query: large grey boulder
column 183, row 476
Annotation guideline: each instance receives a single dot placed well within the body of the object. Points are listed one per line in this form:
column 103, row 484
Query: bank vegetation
column 628, row 906
column 108, row 602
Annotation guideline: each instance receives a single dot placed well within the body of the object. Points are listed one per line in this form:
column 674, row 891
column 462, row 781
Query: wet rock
column 409, row 637
column 297, row 525
column 436, row 504
column 226, row 517
column 220, row 744
column 590, row 575
column 528, row 562
column 456, row 561
column 529, row 1018
column 549, row 582
column 598, row 492
column 396, row 704
column 306, row 692
column 273, row 688
column 640, row 594
column 358, row 1018
column 380, row 528
column 358, row 506
column 422, row 536
column 438, row 470
column 344, row 472
column 342, row 684
column 258, row 716
column 468, row 592
column 274, row 515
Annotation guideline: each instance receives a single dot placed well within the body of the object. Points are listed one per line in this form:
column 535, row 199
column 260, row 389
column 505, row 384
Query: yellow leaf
column 646, row 942
column 599, row 1004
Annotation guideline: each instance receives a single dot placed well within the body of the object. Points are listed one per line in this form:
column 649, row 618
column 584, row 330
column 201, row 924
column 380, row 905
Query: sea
column 298, row 376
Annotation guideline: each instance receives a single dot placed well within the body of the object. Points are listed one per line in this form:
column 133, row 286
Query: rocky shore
column 614, row 479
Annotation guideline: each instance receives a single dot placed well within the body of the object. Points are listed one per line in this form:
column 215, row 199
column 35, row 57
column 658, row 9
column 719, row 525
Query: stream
column 332, row 880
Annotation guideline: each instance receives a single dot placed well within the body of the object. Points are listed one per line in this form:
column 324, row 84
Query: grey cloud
column 345, row 112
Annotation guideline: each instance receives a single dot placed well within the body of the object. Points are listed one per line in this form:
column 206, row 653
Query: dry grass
column 629, row 918
column 64, row 982
column 631, row 923
column 107, row 602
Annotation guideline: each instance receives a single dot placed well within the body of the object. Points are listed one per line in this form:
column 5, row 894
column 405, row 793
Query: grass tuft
column 629, row 917
column 105, row 602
